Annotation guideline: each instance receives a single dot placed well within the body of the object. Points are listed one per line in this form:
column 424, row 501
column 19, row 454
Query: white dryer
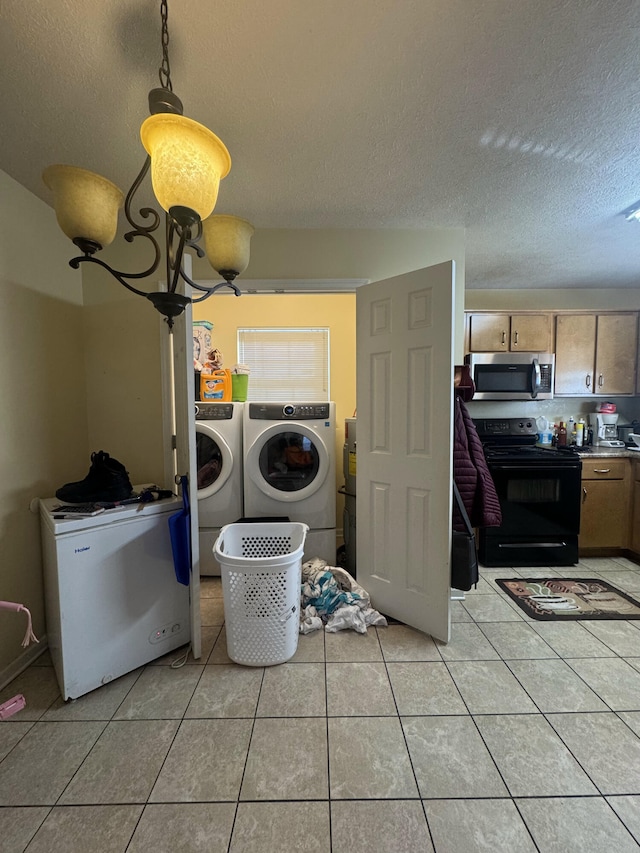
column 290, row 469
column 219, row 463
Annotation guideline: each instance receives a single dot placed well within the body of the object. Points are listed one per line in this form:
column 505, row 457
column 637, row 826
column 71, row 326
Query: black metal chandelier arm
column 194, row 241
column 208, row 291
column 75, row 263
column 190, row 281
column 176, row 257
column 129, row 237
column 145, row 212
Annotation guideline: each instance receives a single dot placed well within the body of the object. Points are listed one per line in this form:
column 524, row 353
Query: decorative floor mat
column 570, row 598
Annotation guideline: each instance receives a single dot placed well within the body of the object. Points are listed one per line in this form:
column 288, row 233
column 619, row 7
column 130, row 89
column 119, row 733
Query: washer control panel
column 290, row 411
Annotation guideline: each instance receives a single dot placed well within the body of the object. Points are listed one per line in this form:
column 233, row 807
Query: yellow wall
column 334, row 311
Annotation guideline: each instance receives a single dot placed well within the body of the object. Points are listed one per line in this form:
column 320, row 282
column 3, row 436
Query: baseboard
column 601, row 552
column 610, row 552
column 23, row 661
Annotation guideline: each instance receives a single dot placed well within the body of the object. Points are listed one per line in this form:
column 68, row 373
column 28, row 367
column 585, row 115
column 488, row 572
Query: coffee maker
column 605, row 429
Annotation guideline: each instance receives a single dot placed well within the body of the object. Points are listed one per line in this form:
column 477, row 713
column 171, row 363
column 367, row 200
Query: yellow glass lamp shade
column 226, row 242
column 86, row 204
column 188, row 162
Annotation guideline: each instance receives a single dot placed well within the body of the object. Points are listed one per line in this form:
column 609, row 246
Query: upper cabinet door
column 596, row 354
column 489, row 332
column 531, row 332
column 493, row 332
column 616, row 349
column 575, row 354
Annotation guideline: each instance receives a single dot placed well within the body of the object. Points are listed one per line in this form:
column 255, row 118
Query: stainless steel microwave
column 512, row 375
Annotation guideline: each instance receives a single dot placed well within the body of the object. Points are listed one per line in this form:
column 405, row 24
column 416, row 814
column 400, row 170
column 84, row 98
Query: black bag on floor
column 464, row 556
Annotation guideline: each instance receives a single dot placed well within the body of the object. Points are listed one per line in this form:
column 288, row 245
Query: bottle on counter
column 571, row 431
column 580, row 433
column 562, row 435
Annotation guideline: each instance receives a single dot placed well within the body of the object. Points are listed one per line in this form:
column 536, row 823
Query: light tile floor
column 516, row 736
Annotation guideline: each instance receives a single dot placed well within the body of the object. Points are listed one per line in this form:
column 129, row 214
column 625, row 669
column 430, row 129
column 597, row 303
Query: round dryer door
column 288, row 463
column 214, row 460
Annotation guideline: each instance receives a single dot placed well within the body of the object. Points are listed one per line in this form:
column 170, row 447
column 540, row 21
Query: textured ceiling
column 516, row 119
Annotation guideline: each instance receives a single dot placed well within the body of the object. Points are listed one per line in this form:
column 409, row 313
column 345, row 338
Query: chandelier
column 187, row 163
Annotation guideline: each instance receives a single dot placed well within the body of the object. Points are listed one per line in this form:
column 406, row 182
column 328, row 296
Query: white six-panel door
column 404, row 409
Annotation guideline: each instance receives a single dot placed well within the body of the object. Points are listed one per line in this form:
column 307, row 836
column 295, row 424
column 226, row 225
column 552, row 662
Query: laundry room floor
column 517, row 736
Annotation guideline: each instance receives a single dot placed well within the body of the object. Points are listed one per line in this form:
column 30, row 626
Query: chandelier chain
column 165, row 70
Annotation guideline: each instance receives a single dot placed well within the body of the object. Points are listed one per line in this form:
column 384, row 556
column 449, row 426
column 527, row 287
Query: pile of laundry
column 331, row 597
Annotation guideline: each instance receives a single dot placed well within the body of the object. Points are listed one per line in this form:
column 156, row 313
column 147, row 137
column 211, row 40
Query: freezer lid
column 130, row 511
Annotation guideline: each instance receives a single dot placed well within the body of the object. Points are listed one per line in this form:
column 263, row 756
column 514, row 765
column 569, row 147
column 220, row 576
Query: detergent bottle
column 215, row 386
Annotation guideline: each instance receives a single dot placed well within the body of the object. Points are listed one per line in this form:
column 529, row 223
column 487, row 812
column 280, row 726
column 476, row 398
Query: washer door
column 288, row 462
column 214, row 460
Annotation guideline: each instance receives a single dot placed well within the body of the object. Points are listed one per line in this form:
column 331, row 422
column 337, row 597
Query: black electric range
column 516, row 439
column 540, row 492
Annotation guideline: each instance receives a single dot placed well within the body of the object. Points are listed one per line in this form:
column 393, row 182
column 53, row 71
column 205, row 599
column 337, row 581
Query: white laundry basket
column 261, row 565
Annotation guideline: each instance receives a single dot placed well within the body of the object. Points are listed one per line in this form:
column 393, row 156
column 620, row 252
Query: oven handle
column 562, row 466
column 532, row 545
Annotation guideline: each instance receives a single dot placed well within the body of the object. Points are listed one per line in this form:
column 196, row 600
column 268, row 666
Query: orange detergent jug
column 216, row 385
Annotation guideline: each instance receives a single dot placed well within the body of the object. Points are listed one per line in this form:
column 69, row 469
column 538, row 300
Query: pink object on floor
column 17, row 703
column 11, row 706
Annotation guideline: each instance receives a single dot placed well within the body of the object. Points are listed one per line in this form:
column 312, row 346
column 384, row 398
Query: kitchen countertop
column 609, row 452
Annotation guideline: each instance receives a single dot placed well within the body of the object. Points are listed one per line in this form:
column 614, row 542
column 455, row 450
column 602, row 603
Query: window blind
column 288, row 364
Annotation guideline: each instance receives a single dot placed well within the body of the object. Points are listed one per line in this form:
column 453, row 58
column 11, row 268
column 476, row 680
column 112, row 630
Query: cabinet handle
column 515, row 339
column 588, row 380
column 584, row 494
column 504, row 337
column 600, row 380
column 601, row 470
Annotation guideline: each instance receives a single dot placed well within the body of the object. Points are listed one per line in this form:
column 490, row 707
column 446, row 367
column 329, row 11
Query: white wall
column 550, row 299
column 43, row 419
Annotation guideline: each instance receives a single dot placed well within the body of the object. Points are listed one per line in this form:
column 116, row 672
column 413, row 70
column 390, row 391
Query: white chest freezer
column 111, row 595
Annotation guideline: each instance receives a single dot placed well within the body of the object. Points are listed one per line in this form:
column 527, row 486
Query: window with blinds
column 289, row 364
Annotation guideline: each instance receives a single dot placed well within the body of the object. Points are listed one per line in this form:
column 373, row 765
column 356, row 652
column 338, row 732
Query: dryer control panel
column 289, row 411
column 214, row 411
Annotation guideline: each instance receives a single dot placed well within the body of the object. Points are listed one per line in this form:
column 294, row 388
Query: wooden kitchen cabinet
column 634, row 535
column 596, row 354
column 604, row 517
column 497, row 332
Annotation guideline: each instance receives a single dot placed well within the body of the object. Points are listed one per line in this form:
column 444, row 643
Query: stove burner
column 527, row 453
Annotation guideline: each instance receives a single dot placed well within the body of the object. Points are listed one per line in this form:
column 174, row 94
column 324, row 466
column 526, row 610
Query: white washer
column 290, row 468
column 219, row 462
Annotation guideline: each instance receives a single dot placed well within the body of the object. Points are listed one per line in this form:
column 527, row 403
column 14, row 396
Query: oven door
column 540, row 505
